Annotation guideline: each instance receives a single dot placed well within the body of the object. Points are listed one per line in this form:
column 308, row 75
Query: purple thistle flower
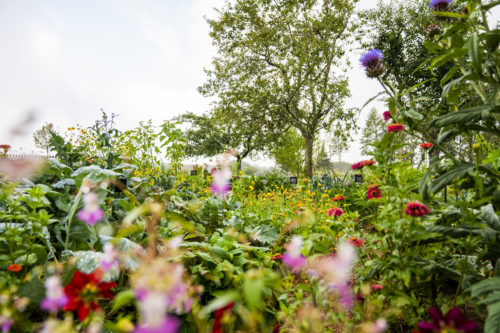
column 371, row 56
column 453, row 319
column 440, row 5
column 55, row 298
column 169, row 325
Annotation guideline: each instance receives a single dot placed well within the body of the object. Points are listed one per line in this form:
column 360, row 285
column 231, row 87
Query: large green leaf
column 93, row 173
column 459, row 171
column 462, row 116
column 487, row 213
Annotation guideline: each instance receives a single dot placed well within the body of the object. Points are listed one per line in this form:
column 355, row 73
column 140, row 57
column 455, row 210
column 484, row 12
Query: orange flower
column 426, row 145
column 14, row 268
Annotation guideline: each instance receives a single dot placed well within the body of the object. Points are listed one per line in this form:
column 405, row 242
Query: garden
column 114, row 234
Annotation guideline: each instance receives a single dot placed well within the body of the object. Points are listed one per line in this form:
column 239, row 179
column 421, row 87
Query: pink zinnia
column 416, row 209
column 362, row 164
column 335, row 212
column 387, row 115
column 373, row 193
column 355, row 241
column 91, row 213
column 395, row 128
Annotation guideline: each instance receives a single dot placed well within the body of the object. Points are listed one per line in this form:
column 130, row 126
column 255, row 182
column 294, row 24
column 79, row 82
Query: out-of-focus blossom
column 85, row 290
column 293, row 258
column 355, row 241
column 339, row 197
column 154, row 319
column 109, row 258
column 55, row 297
column 221, row 182
column 416, row 209
column 387, row 115
column 372, row 62
column 376, row 286
column 218, row 315
column 335, row 271
column 395, row 128
column 440, row 5
column 14, row 268
column 91, row 213
column 454, row 319
column 17, row 169
column 362, row 164
column 57, row 326
column 5, row 323
column 5, row 148
column 335, row 212
column 426, row 145
column 379, row 326
column 373, row 193
column 277, row 257
column 175, row 242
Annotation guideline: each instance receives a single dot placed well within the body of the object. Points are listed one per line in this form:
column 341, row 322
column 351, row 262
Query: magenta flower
column 109, row 258
column 373, row 193
column 221, row 182
column 91, row 213
column 169, row 325
column 416, row 209
column 395, row 128
column 293, row 258
column 454, row 319
column 387, row 115
column 5, row 323
column 55, row 296
column 335, row 212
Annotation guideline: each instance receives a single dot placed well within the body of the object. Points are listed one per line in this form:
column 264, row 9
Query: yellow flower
column 250, row 187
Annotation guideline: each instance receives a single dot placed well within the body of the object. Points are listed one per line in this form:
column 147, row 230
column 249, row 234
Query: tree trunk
column 309, row 141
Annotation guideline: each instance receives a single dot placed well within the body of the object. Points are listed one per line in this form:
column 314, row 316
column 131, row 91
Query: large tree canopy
column 286, row 56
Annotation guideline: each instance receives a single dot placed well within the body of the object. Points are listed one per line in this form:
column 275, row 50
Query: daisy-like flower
column 335, row 212
column 90, row 213
column 339, row 197
column 453, row 319
column 372, row 62
column 416, row 209
column 373, row 193
column 55, row 296
column 440, row 5
column 426, row 145
column 395, row 128
column 14, row 268
column 387, row 115
column 293, row 258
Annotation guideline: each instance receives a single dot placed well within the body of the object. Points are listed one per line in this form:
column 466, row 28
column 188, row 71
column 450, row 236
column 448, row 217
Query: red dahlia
column 85, row 290
column 395, row 128
column 416, row 209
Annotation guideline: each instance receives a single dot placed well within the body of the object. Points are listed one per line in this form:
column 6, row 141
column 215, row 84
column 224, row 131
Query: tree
column 323, row 162
column 286, row 56
column 42, row 137
column 374, row 130
column 337, row 145
column 289, row 152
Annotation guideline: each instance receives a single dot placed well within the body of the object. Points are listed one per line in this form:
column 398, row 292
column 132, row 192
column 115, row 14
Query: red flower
column 373, row 193
column 387, row 115
column 416, row 209
column 14, row 267
column 339, row 197
column 377, row 286
column 362, row 164
column 395, row 128
column 426, row 145
column 355, row 241
column 84, row 290
column 219, row 313
column 335, row 212
column 4, row 146
column 277, row 257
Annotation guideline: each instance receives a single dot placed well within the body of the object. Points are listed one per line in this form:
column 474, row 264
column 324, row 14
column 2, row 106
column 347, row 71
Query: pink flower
column 377, row 286
column 220, row 182
column 373, row 193
column 153, row 307
column 5, row 323
column 355, row 241
column 55, row 296
column 416, row 209
column 109, row 259
column 362, row 164
column 335, row 212
column 395, row 128
column 387, row 115
column 91, row 213
column 379, row 326
column 293, row 258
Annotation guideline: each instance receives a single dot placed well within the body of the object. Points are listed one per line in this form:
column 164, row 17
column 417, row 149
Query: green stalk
column 71, row 215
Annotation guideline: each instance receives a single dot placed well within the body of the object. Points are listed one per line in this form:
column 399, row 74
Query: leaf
column 474, row 52
column 449, row 75
column 413, row 114
column 94, row 174
column 122, row 299
column 462, row 116
column 487, row 213
column 220, row 252
column 450, row 14
column 459, row 171
column 63, row 183
column 252, row 288
column 224, row 299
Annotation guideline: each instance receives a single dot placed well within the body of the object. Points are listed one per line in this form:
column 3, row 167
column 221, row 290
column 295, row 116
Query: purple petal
column 169, row 325
column 454, row 316
column 436, row 315
column 426, row 327
column 296, row 263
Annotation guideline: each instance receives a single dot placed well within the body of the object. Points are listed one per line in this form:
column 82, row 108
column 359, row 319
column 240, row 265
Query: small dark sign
column 323, row 177
column 358, row 179
column 193, row 173
column 293, row 180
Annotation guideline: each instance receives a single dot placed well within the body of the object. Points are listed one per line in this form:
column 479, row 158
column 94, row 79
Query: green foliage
column 289, row 152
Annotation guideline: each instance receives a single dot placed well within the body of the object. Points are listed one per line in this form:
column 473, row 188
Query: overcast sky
column 142, row 59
